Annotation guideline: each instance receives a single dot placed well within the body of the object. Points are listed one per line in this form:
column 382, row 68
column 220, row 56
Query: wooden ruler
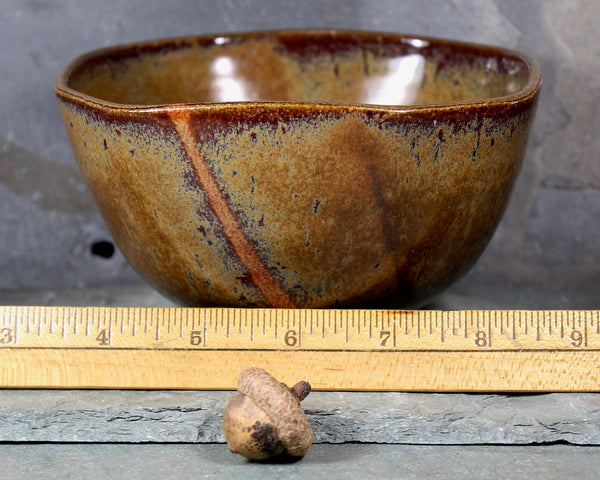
column 376, row 350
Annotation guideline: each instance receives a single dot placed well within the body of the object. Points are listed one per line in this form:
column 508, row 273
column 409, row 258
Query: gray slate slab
column 336, row 417
column 348, row 461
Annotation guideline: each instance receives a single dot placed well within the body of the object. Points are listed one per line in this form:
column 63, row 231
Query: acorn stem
column 301, row 390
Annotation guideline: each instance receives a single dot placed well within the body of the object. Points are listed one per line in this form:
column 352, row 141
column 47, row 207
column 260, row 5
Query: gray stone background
column 546, row 252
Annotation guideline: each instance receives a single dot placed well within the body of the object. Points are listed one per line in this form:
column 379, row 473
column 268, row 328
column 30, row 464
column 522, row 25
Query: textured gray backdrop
column 546, row 252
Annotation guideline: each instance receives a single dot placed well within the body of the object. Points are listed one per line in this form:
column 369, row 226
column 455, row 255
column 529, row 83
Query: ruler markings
column 10, row 330
column 252, row 325
column 514, row 330
column 531, row 322
column 42, row 321
column 489, row 334
column 16, row 323
column 299, row 322
column 185, row 320
column 200, row 325
column 77, row 320
column 347, row 333
column 157, row 331
column 133, row 322
column 107, row 321
column 86, row 319
column 438, row 333
column 591, row 351
column 334, row 317
column 123, row 323
column 36, row 322
column 50, row 321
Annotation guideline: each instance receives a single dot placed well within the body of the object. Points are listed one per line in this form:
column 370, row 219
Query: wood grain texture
column 351, row 371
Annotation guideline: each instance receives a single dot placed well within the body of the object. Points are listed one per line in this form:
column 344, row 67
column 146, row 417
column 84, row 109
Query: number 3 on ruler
column 6, row 336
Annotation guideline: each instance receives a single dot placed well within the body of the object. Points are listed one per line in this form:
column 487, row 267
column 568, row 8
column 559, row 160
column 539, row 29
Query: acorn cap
column 282, row 407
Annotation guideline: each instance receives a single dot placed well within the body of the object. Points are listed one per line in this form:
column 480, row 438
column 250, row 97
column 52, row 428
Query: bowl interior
column 327, row 67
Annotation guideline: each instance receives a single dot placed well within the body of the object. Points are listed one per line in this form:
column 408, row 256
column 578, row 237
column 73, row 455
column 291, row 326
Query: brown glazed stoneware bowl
column 300, row 168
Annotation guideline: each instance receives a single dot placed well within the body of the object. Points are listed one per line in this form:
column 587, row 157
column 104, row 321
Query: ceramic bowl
column 300, row 168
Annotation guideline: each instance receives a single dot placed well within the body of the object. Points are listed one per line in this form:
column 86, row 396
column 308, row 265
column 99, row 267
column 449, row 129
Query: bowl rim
column 527, row 93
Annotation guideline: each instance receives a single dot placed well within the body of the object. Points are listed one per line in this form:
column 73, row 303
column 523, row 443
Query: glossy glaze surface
column 300, row 169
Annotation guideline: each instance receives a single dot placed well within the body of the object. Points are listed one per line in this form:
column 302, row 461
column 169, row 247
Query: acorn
column 264, row 419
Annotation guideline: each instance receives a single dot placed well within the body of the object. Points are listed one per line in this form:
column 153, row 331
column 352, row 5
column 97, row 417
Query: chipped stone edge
column 336, row 417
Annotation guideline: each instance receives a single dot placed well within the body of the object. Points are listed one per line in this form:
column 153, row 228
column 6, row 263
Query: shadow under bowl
column 300, row 168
